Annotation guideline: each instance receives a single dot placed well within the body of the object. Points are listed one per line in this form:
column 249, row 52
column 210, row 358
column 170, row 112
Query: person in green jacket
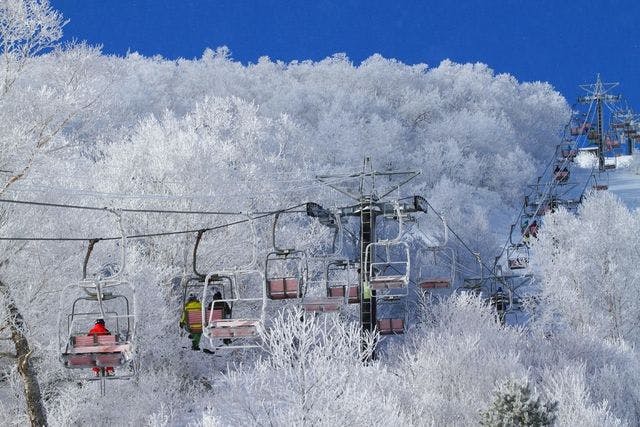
column 366, row 290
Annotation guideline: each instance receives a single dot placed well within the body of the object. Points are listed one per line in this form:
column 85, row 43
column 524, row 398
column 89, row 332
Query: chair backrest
column 291, row 286
column 435, row 283
column 338, row 292
column 106, row 339
column 281, row 288
column 84, row 341
column 194, row 319
column 390, row 326
column 218, row 314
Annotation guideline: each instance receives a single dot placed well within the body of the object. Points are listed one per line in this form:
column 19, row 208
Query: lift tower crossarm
column 329, row 179
column 419, row 204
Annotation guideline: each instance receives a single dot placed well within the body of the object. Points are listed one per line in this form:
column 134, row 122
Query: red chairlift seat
column 80, row 361
column 100, row 350
column 322, row 305
column 387, row 282
column 397, row 258
column 338, row 292
column 612, row 143
column 435, row 283
column 393, row 326
column 233, row 328
column 109, row 360
column 569, row 153
column 561, row 175
column 283, row 288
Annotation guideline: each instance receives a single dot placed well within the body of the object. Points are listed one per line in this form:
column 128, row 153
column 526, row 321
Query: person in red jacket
column 100, row 329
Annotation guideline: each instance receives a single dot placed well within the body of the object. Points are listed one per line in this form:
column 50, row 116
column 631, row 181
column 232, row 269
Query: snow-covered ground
column 624, row 182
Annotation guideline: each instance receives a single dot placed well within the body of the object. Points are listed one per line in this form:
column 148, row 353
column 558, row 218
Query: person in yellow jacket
column 191, row 320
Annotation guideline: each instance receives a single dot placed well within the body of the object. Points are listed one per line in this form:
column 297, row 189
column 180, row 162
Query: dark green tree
column 516, row 405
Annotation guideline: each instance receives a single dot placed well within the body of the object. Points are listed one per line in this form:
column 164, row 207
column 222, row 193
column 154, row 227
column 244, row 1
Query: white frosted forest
column 211, row 134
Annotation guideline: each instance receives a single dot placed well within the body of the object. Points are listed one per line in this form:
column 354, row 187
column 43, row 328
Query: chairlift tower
column 599, row 93
column 371, row 190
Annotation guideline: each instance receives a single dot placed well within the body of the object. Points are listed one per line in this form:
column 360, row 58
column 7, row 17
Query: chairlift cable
column 132, row 210
column 89, row 193
column 160, row 234
column 461, row 241
column 128, row 210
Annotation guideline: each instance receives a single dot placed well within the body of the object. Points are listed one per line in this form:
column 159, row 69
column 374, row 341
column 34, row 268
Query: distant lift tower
column 369, row 189
column 598, row 93
column 626, row 124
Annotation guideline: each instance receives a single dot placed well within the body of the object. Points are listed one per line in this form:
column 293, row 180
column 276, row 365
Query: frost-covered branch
column 27, row 28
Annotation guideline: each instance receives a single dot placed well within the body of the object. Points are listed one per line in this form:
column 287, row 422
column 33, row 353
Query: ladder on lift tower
column 366, row 301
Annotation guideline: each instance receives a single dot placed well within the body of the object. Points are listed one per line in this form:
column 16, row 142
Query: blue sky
column 564, row 42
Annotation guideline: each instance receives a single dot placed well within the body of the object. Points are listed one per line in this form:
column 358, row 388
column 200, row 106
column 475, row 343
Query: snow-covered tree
column 27, row 28
column 588, row 270
column 453, row 361
column 34, row 111
column 314, row 372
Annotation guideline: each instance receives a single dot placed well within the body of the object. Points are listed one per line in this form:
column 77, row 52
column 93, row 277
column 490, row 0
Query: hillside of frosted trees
column 82, row 128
